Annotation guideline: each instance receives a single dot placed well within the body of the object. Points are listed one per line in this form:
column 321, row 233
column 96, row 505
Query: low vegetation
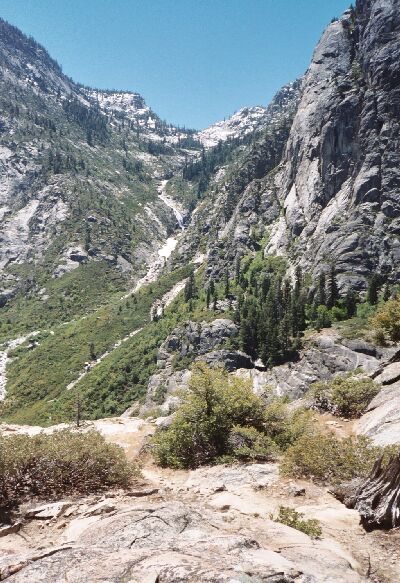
column 38, row 377
column 290, row 517
column 386, row 321
column 221, row 419
column 64, row 462
column 327, row 459
column 344, row 396
column 220, row 416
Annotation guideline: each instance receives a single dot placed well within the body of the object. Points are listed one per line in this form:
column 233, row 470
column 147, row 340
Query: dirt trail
column 242, row 498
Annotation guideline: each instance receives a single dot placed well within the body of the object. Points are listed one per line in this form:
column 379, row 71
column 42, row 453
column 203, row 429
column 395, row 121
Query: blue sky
column 194, row 61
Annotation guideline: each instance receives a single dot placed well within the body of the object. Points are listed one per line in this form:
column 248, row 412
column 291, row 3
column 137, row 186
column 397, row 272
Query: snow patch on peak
column 244, row 121
column 131, row 104
column 250, row 119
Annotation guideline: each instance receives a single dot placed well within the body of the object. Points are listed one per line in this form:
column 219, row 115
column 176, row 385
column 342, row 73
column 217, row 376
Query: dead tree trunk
column 378, row 498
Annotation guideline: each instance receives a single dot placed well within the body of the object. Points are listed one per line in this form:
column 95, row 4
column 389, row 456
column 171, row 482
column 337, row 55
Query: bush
column 248, row 444
column 345, row 396
column 324, row 319
column 201, row 430
column 64, row 462
column 325, row 458
column 284, row 426
column 386, row 321
column 294, row 519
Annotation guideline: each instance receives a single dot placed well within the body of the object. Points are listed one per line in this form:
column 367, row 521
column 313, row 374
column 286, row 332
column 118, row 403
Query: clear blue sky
column 194, row 61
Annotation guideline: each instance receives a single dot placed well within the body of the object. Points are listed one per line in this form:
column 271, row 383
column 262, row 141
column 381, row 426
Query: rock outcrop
column 381, row 422
column 324, row 188
column 212, row 526
column 193, row 340
column 339, row 181
column 325, row 355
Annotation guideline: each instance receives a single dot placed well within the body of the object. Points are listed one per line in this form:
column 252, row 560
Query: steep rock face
column 339, row 181
column 241, row 200
column 321, row 186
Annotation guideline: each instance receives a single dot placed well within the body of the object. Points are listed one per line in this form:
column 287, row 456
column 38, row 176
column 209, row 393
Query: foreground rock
column 381, row 422
column 210, row 525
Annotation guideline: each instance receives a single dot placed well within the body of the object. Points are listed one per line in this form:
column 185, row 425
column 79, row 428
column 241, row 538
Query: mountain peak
column 250, row 119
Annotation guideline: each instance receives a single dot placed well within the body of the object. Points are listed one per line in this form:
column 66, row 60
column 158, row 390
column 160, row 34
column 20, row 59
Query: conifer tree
column 350, row 303
column 190, row 287
column 332, row 288
column 265, row 285
column 237, row 269
column 227, row 286
column 373, row 289
column 321, row 291
column 298, row 281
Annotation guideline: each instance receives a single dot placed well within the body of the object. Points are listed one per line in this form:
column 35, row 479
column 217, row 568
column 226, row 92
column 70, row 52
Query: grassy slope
column 40, row 375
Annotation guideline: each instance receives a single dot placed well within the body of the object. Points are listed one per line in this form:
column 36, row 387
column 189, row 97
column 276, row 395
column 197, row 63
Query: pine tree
column 373, row 289
column 190, row 287
column 227, row 286
column 208, row 297
column 298, row 281
column 350, row 303
column 321, row 292
column 332, row 288
column 265, row 285
column 248, row 331
column 237, row 269
column 92, row 353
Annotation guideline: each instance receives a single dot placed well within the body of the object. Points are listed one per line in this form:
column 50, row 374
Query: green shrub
column 324, row 318
column 386, row 321
column 248, row 444
column 325, row 458
column 294, row 519
column 284, row 426
column 344, row 396
column 160, row 394
column 64, row 462
column 201, row 430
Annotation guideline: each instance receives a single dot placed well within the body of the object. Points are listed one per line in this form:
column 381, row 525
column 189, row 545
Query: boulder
column 231, row 360
column 390, row 374
column 47, row 511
